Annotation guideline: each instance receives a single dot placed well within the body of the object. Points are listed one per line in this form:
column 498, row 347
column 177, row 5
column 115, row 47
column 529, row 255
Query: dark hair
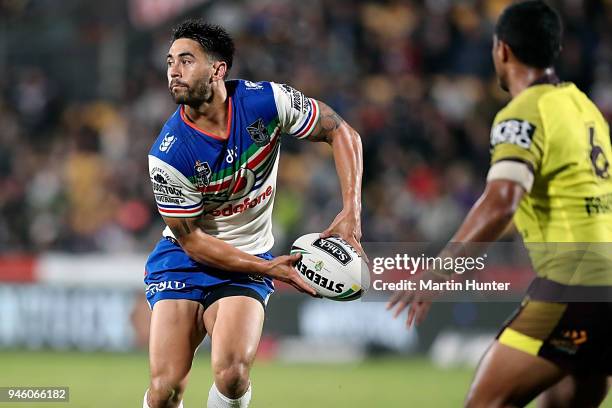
column 213, row 38
column 533, row 31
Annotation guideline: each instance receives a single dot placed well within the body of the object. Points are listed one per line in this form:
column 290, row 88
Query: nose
column 174, row 71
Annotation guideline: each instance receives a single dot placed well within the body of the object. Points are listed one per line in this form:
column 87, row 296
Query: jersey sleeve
column 514, row 171
column 297, row 113
column 175, row 195
column 518, row 135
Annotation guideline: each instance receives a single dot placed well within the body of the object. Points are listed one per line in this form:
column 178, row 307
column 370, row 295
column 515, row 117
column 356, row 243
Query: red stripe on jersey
column 261, row 156
column 312, row 119
column 192, row 211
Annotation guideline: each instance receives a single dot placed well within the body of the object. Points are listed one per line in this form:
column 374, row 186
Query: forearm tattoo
column 183, row 227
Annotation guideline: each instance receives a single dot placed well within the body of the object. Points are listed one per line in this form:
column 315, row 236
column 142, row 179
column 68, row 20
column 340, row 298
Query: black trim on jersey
column 519, row 160
column 546, row 290
column 172, row 239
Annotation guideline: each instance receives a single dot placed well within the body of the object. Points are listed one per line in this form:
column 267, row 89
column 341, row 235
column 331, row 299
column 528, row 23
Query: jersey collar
column 192, row 125
column 547, row 78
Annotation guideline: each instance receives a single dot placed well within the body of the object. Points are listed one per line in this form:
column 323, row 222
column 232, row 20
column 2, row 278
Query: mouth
column 173, row 86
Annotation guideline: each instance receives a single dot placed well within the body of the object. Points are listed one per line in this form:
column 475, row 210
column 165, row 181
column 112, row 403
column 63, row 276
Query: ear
column 504, row 51
column 219, row 70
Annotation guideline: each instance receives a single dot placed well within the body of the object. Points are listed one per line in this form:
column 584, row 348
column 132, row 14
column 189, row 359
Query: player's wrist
column 260, row 267
column 352, row 206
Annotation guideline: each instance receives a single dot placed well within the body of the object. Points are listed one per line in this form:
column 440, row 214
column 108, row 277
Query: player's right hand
column 282, row 268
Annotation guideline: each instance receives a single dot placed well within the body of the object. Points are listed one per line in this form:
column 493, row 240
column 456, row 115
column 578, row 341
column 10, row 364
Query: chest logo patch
column 202, row 174
column 258, row 132
column 514, row 131
column 167, row 143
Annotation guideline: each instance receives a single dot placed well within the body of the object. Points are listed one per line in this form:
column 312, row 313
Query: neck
column 521, row 77
column 212, row 113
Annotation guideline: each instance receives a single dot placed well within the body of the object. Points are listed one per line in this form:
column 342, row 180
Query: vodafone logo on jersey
column 244, row 205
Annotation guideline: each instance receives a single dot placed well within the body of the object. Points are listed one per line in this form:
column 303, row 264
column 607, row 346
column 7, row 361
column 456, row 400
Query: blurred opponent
column 550, row 171
column 213, row 169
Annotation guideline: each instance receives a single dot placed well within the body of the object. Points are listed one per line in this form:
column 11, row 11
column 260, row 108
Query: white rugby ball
column 332, row 267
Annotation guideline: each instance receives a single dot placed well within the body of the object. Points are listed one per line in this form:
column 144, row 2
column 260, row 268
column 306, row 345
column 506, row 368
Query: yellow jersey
column 564, row 140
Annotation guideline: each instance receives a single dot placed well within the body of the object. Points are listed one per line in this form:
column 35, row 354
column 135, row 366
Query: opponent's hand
column 347, row 226
column 418, row 301
column 282, row 268
column 418, row 306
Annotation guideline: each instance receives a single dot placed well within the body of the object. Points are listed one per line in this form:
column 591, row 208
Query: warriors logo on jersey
column 259, row 133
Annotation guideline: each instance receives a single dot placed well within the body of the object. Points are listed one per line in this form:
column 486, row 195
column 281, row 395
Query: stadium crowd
column 415, row 78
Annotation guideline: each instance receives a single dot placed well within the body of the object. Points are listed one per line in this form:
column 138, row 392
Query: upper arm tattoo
column 328, row 122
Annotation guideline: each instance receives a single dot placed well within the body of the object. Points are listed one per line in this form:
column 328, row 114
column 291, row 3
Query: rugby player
column 550, row 172
column 213, row 169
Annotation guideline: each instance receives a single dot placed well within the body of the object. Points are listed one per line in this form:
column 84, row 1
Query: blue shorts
column 171, row 274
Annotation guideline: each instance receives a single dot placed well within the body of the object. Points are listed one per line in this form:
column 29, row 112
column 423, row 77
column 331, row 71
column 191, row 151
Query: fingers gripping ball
column 332, row 267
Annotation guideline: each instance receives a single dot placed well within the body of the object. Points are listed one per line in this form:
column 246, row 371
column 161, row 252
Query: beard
column 192, row 96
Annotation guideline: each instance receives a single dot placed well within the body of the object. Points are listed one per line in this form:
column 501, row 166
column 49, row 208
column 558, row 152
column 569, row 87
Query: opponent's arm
column 491, row 214
column 348, row 158
column 212, row 251
column 518, row 145
column 485, row 222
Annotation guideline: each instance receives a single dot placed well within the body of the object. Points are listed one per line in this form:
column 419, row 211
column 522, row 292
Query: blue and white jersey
column 230, row 181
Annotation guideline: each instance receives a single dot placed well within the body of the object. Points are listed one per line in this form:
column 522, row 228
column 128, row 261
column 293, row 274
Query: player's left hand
column 347, row 225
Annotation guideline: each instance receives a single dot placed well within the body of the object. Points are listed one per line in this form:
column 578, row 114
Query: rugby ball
column 332, row 267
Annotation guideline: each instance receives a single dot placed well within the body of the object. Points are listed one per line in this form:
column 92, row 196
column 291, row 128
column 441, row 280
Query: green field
column 119, row 380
